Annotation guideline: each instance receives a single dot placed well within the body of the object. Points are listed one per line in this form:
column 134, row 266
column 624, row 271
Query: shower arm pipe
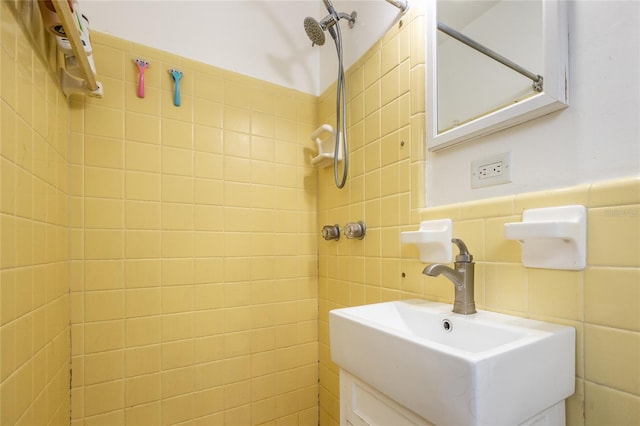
column 403, row 5
column 351, row 18
column 537, row 79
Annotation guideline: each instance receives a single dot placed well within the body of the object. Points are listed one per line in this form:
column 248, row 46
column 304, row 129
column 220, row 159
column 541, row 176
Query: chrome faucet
column 462, row 277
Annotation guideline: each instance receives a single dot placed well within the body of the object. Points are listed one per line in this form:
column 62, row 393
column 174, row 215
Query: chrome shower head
column 314, row 31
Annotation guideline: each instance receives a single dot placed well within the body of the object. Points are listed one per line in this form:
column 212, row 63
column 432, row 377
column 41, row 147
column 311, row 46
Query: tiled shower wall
column 34, row 301
column 193, row 261
column 386, row 115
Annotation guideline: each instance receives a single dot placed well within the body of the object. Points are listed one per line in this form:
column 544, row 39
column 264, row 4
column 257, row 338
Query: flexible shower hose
column 341, row 118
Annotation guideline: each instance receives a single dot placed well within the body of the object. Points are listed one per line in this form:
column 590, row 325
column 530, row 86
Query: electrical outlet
column 490, row 171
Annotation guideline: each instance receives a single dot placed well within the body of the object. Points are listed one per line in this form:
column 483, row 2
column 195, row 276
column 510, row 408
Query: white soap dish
column 433, row 239
column 552, row 238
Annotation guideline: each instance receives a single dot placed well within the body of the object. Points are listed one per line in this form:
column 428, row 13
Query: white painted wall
column 260, row 38
column 596, row 138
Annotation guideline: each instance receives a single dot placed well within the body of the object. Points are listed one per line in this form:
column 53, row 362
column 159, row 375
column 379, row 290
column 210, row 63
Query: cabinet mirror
column 492, row 64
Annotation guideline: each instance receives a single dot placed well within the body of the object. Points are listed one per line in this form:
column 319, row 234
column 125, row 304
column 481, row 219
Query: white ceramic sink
column 452, row 369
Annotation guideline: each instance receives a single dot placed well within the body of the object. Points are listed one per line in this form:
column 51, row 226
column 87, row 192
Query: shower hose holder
column 325, row 138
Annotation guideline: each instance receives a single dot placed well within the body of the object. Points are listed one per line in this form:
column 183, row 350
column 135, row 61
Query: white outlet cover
column 504, row 161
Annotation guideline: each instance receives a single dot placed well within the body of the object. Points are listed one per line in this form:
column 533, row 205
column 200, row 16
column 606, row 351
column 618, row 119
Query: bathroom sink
column 452, row 369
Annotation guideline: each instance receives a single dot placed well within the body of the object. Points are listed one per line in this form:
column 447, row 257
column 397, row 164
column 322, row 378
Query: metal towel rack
column 537, row 79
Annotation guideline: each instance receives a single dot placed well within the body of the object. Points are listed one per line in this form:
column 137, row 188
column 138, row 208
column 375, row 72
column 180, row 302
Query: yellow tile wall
column 386, row 128
column 34, row 302
column 193, row 248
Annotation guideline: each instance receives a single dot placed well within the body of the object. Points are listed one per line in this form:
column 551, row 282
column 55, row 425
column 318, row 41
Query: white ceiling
column 260, row 38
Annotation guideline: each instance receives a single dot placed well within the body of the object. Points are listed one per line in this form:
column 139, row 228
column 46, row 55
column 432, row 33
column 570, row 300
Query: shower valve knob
column 331, row 232
column 355, row 230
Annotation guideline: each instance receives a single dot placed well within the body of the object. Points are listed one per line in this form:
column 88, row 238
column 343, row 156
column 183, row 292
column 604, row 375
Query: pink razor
column 142, row 66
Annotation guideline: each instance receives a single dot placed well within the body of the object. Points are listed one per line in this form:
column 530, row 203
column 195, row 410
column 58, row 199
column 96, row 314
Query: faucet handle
column 464, row 255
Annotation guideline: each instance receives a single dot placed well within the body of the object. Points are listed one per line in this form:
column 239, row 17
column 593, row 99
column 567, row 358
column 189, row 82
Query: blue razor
column 177, row 75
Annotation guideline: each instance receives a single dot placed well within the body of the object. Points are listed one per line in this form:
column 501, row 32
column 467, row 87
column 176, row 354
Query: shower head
column 314, row 30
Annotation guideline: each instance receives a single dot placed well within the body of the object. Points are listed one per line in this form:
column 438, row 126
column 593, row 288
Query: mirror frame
column 556, row 82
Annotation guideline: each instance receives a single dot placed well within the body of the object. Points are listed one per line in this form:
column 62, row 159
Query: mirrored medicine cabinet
column 492, row 64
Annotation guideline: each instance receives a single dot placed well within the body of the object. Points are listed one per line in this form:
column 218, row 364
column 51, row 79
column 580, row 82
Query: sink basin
column 452, row 369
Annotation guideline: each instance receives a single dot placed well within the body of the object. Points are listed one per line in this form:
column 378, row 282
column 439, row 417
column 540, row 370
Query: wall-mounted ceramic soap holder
column 433, row 239
column 552, row 238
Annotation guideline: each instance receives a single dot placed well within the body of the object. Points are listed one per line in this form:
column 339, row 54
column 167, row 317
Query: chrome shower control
column 355, row 230
column 331, row 232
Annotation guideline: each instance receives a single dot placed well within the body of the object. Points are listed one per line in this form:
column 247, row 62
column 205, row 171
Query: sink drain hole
column 447, row 326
